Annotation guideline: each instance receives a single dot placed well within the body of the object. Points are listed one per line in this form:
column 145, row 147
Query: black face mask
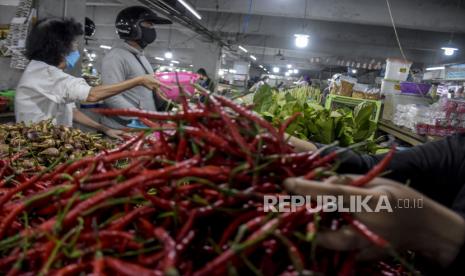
column 148, row 36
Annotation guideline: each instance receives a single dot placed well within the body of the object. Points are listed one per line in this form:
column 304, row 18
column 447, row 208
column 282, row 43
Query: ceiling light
column 232, row 71
column 171, row 64
column 354, row 71
column 261, row 66
column 253, row 57
column 435, row 68
column 93, row 55
column 296, row 71
column 90, row 64
column 275, row 69
column 105, row 47
column 169, row 55
column 301, row 40
column 221, row 72
column 287, row 74
column 191, row 65
column 175, row 61
column 190, row 8
column 243, row 49
column 159, row 58
column 289, row 66
column 449, row 51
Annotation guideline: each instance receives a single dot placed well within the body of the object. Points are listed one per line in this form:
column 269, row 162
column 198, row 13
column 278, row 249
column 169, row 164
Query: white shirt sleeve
column 74, row 89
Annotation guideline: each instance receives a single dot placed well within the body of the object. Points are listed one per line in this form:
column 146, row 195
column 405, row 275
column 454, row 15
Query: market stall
column 292, row 151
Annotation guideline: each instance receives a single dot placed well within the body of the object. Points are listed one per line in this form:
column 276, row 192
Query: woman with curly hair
column 46, row 92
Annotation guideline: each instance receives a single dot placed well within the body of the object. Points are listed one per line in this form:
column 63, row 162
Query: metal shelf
column 404, row 134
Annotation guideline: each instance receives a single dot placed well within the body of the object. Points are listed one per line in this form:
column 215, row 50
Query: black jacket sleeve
column 436, row 169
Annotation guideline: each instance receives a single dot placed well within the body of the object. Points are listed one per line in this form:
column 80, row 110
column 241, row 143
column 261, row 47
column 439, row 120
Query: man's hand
column 299, row 144
column 433, row 230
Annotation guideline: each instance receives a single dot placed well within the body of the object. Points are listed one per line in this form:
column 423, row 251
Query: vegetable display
column 316, row 124
column 184, row 198
column 34, row 147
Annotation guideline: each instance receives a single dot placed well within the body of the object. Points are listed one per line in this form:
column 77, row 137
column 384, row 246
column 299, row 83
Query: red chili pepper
column 122, row 222
column 163, row 116
column 375, row 171
column 287, row 122
column 249, row 115
column 129, row 269
column 364, row 231
column 120, row 188
column 71, row 269
column 169, row 260
column 232, row 227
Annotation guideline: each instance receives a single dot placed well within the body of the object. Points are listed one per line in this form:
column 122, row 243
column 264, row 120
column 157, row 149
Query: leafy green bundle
column 316, row 123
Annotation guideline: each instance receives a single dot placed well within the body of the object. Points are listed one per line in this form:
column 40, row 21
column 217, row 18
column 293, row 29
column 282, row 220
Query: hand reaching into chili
column 433, row 231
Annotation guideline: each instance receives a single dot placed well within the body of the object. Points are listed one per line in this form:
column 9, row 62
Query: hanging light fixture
column 301, row 40
column 449, row 51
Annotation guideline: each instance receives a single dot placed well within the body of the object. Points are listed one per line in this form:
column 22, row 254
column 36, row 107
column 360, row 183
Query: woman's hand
column 150, row 82
column 114, row 133
column 430, row 229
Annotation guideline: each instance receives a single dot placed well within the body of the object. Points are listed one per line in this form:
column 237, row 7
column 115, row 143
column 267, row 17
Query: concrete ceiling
column 354, row 31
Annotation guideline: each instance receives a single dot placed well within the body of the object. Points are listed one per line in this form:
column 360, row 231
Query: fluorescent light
column 191, row 65
column 169, row 55
column 289, row 66
column 287, row 74
column 296, row 71
column 275, row 69
column 190, row 8
column 232, row 71
column 93, row 55
column 449, row 51
column 253, row 57
column 354, row 71
column 159, row 58
column 171, row 64
column 243, row 49
column 90, row 64
column 175, row 61
column 105, row 47
column 221, row 72
column 261, row 66
column 301, row 40
column 435, row 68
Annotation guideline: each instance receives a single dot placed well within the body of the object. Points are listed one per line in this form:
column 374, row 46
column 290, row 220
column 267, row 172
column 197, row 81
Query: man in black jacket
column 436, row 174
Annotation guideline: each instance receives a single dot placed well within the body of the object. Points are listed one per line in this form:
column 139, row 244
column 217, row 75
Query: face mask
column 148, row 36
column 72, row 59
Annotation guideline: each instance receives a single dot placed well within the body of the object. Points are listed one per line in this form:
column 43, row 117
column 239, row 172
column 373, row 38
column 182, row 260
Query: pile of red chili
column 185, row 198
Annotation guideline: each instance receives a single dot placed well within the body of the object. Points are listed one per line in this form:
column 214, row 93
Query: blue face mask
column 71, row 59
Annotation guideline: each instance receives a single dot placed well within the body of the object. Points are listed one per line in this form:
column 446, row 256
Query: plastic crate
column 334, row 102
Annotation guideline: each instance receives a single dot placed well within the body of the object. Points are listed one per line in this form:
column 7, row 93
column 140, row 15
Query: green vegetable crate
column 334, row 102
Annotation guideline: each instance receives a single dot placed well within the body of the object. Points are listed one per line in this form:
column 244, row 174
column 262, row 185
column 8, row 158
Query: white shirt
column 45, row 92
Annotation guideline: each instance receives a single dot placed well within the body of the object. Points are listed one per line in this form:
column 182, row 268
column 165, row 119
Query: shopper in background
column 136, row 27
column 46, row 92
column 263, row 81
column 459, row 93
column 205, row 80
column 436, row 175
